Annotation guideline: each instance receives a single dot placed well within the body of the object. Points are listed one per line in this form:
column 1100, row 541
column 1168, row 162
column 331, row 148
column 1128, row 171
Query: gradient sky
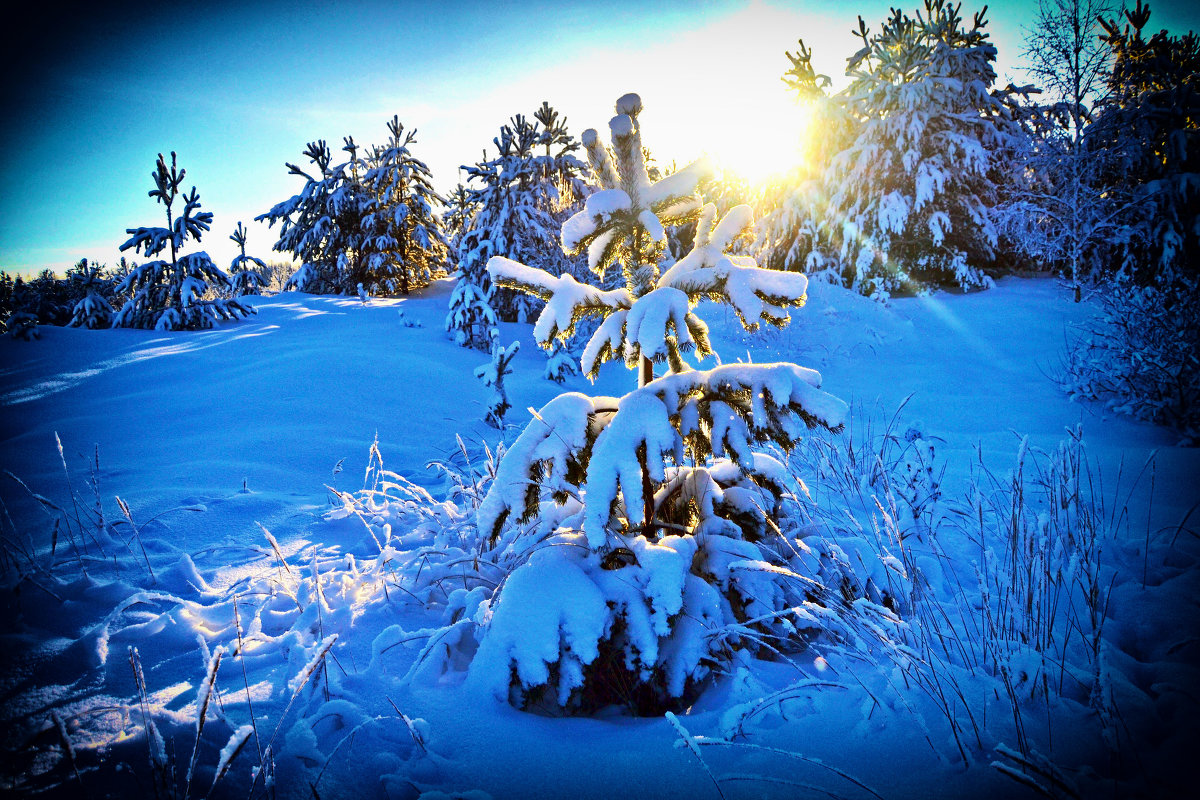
column 236, row 89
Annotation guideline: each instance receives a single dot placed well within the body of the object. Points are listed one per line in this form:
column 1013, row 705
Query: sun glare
column 764, row 145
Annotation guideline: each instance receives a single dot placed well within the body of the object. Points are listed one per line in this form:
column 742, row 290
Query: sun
column 768, row 140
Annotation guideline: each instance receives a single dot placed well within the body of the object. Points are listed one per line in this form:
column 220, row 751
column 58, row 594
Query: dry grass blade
column 296, row 684
column 65, row 741
column 690, row 743
column 237, row 741
column 203, row 698
column 138, row 535
column 275, row 547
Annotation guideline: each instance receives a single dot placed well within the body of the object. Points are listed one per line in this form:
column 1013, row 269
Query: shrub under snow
column 1141, row 353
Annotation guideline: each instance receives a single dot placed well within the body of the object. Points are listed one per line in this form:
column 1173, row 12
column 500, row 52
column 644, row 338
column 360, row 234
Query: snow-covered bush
column 175, row 294
column 643, row 527
column 1140, row 354
column 94, row 310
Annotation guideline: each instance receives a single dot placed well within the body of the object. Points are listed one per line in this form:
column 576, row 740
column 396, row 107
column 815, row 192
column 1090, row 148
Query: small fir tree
column 245, row 278
column 657, row 496
column 93, row 310
column 319, row 226
column 174, row 294
column 458, row 215
column 518, row 202
column 492, row 374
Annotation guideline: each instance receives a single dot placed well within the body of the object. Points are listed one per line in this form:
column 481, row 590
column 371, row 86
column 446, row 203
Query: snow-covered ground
column 210, row 437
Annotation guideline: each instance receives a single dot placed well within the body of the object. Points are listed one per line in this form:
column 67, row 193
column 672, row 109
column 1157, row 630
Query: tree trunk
column 645, row 371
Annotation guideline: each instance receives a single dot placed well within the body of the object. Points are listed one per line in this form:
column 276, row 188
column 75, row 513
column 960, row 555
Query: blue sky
column 237, row 89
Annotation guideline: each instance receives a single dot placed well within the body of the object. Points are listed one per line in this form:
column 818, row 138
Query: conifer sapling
column 662, row 501
column 245, row 279
column 174, row 294
column 492, row 375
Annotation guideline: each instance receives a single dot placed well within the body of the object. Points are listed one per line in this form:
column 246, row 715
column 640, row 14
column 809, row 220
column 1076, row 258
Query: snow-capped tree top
column 190, row 223
column 657, row 324
column 629, row 104
column 630, row 207
column 621, row 125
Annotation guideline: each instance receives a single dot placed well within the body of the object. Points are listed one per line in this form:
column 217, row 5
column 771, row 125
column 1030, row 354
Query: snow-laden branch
column 707, row 271
column 567, row 300
column 722, row 412
column 623, row 446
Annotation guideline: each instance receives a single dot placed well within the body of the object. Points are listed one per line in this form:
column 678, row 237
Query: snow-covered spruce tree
column 244, row 277
column 471, row 317
column 911, row 198
column 492, row 374
column 662, row 502
column 172, row 295
column 320, row 225
column 457, row 216
column 793, row 233
column 1147, row 137
column 403, row 242
column 519, row 200
column 93, row 310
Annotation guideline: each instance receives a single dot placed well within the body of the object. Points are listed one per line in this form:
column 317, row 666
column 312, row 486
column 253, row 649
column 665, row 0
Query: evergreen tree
column 916, row 188
column 1145, row 136
column 93, row 310
column 492, row 374
column 245, row 279
column 458, row 215
column 517, row 202
column 657, row 496
column 471, row 317
column 917, row 147
column 367, row 221
column 403, row 243
column 174, row 294
column 320, row 224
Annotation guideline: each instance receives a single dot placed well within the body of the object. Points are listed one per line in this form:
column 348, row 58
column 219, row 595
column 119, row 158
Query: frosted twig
column 690, row 743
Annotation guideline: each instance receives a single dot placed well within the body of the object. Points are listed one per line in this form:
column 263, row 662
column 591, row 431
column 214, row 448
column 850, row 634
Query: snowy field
column 213, row 438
